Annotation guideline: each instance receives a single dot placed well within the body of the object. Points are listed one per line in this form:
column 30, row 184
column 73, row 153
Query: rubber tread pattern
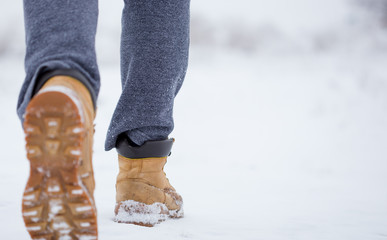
column 56, row 204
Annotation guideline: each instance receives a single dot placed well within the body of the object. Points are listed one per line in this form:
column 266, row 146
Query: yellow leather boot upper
column 143, row 180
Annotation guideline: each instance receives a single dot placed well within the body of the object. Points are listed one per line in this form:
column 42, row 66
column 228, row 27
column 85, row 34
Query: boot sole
column 56, row 204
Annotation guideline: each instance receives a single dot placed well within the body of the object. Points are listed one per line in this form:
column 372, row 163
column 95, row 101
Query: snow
column 35, row 228
column 60, row 225
column 150, row 215
column 29, row 197
column 281, row 125
column 85, row 224
column 134, row 212
column 77, row 130
column 65, row 237
column 75, row 152
column 52, row 123
column 55, row 188
column 55, row 207
column 31, row 213
column 86, row 237
column 83, row 209
column 77, row 191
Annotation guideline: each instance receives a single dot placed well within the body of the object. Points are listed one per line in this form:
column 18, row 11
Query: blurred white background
column 281, row 124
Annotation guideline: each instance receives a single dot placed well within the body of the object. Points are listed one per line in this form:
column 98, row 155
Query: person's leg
column 154, row 56
column 60, row 34
column 56, row 106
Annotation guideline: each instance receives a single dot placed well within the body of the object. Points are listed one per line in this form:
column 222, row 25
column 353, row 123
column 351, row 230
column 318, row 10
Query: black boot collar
column 149, row 149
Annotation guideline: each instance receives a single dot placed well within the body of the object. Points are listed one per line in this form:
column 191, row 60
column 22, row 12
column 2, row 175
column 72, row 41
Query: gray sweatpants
column 60, row 34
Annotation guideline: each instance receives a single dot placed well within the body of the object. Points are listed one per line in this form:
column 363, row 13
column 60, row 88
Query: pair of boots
column 58, row 200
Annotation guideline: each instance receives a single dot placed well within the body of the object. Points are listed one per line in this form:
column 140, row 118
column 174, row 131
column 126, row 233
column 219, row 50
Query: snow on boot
column 58, row 200
column 144, row 195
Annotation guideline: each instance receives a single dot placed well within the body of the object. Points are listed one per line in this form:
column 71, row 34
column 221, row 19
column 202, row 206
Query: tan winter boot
column 144, row 195
column 58, row 200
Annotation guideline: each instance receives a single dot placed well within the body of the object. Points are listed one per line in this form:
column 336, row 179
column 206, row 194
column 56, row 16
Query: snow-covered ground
column 281, row 125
